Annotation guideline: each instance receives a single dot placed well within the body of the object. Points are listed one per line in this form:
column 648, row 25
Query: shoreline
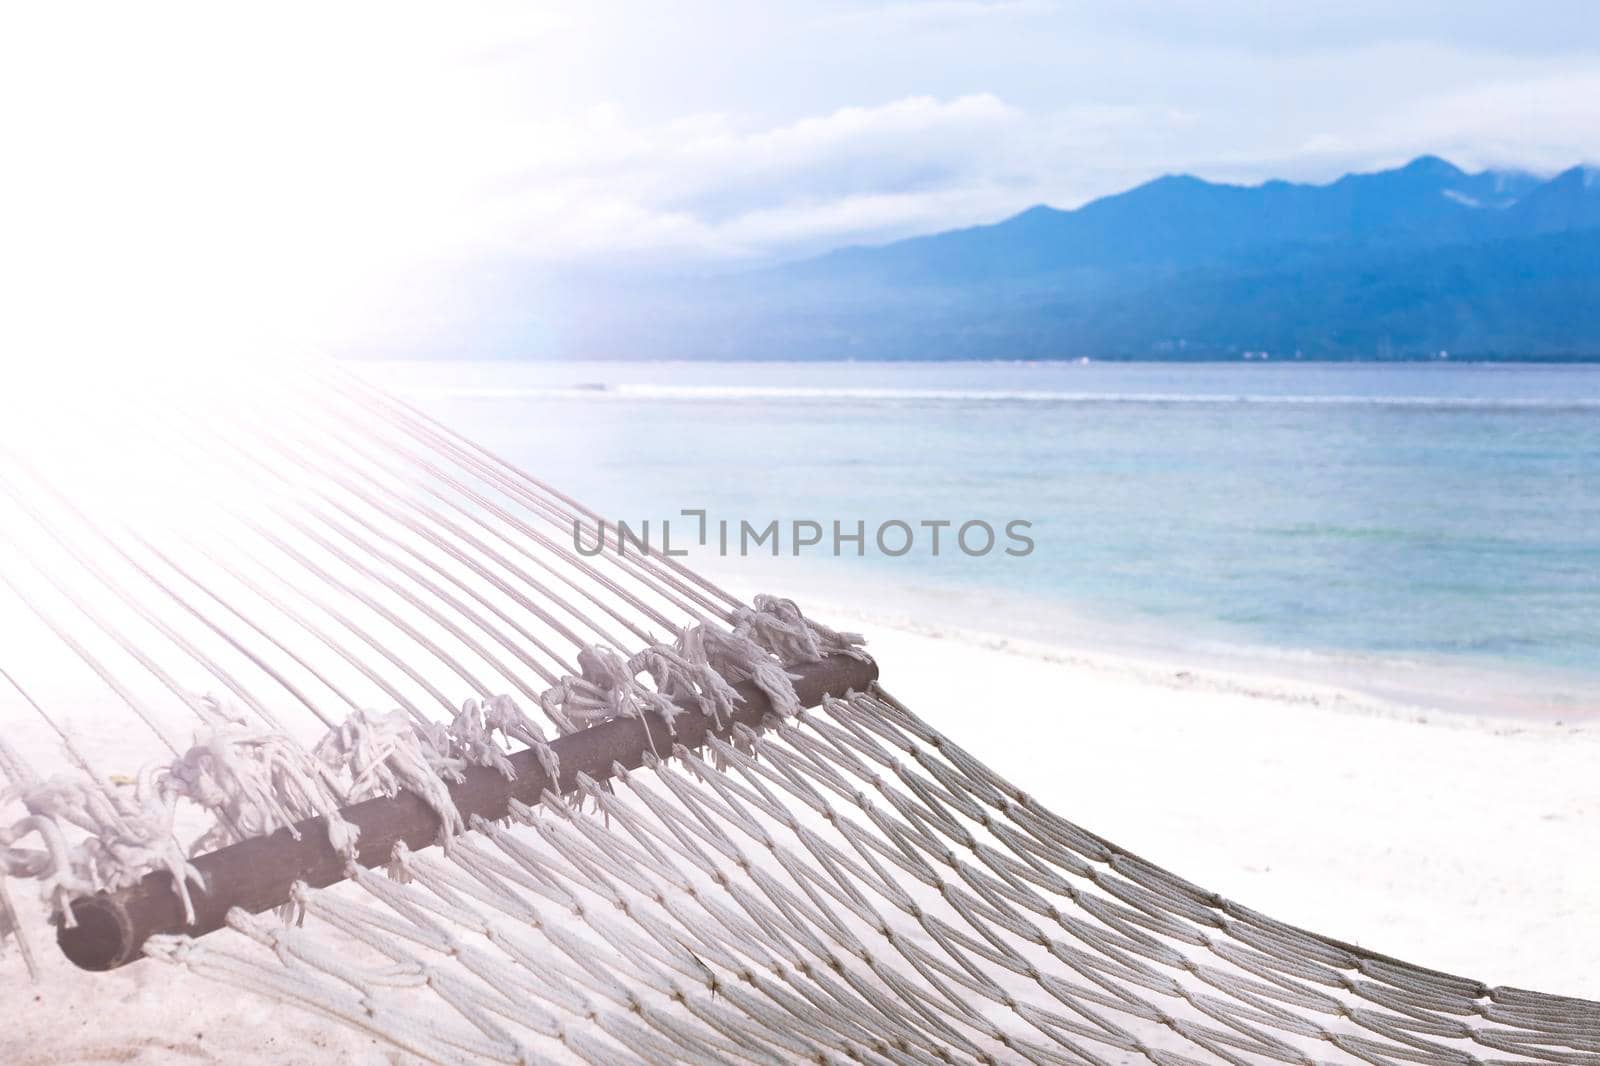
column 1180, row 674
column 1501, row 694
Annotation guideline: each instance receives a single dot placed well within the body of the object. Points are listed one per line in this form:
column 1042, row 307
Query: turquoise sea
column 1408, row 515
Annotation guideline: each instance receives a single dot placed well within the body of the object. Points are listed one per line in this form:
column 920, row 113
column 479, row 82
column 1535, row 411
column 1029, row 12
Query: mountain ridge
column 1408, row 263
column 1181, row 219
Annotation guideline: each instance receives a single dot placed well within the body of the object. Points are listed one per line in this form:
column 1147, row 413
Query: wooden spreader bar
column 258, row 874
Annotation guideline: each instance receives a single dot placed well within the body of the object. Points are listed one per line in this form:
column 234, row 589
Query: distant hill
column 1401, row 264
column 1181, row 221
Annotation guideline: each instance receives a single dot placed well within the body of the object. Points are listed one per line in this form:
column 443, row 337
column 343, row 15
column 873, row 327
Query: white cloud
column 1543, row 123
column 926, row 12
column 728, row 192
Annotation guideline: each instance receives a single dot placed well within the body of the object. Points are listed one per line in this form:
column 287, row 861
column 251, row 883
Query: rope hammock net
column 455, row 782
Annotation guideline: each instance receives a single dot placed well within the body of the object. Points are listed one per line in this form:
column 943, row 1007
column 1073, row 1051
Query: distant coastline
column 1414, row 264
column 1481, row 358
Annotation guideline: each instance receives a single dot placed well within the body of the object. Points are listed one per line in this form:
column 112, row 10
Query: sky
column 287, row 163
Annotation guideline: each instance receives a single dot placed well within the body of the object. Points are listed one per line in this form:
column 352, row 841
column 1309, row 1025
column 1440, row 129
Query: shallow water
column 1441, row 513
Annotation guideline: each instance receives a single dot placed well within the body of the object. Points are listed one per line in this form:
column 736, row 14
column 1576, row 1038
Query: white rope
column 253, row 782
column 334, row 569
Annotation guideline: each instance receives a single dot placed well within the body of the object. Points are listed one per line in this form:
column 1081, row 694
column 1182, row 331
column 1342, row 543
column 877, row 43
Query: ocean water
column 1405, row 515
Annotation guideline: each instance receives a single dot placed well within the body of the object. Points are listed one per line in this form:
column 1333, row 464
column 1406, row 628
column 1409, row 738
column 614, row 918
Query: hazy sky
column 317, row 147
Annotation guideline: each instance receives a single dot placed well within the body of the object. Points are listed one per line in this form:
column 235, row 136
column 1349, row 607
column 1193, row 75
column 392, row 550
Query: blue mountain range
column 1416, row 262
column 1180, row 221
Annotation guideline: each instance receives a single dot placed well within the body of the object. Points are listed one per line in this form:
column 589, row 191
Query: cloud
column 701, row 185
column 928, row 12
column 1547, row 122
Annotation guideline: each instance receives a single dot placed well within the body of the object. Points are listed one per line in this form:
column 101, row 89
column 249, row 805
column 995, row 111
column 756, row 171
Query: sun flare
column 199, row 183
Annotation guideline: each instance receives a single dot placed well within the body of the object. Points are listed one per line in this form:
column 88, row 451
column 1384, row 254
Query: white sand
column 1463, row 843
column 1458, row 842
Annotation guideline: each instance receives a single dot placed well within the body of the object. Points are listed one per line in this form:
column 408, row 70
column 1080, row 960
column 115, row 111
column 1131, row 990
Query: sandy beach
column 1462, row 842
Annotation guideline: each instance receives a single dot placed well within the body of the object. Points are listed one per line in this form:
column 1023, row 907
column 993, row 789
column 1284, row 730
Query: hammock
column 725, row 842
